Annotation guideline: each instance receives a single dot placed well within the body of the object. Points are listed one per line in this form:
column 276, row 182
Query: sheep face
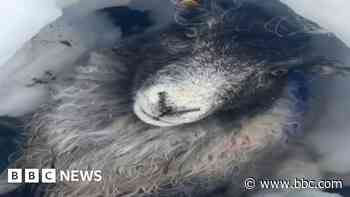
column 219, row 65
column 191, row 89
column 232, row 58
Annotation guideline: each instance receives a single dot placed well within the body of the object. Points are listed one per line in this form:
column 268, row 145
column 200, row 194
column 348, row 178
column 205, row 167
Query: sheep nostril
column 162, row 97
column 164, row 108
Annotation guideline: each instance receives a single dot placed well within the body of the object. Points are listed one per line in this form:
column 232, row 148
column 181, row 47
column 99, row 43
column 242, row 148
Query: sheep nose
column 164, row 108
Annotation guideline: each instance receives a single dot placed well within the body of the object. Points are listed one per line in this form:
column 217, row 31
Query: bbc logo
column 31, row 176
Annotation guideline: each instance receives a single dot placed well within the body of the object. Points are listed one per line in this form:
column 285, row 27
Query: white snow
column 330, row 14
column 21, row 20
column 47, row 52
column 23, row 59
column 330, row 136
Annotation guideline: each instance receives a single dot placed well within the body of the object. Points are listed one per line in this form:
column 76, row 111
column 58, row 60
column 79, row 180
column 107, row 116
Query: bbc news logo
column 52, row 176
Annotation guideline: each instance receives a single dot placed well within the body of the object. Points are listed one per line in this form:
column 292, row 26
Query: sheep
column 192, row 109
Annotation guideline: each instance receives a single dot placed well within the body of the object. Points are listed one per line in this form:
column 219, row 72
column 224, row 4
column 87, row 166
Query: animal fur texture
column 192, row 159
column 90, row 121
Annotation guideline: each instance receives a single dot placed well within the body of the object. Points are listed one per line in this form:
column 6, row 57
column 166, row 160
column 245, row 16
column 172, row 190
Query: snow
column 332, row 15
column 20, row 23
column 53, row 50
column 49, row 50
column 330, row 136
column 24, row 59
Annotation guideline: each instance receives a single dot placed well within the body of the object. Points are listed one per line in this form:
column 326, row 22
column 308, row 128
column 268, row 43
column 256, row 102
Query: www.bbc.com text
column 297, row 183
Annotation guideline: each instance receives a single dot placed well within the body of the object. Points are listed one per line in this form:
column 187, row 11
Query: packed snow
column 45, row 37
